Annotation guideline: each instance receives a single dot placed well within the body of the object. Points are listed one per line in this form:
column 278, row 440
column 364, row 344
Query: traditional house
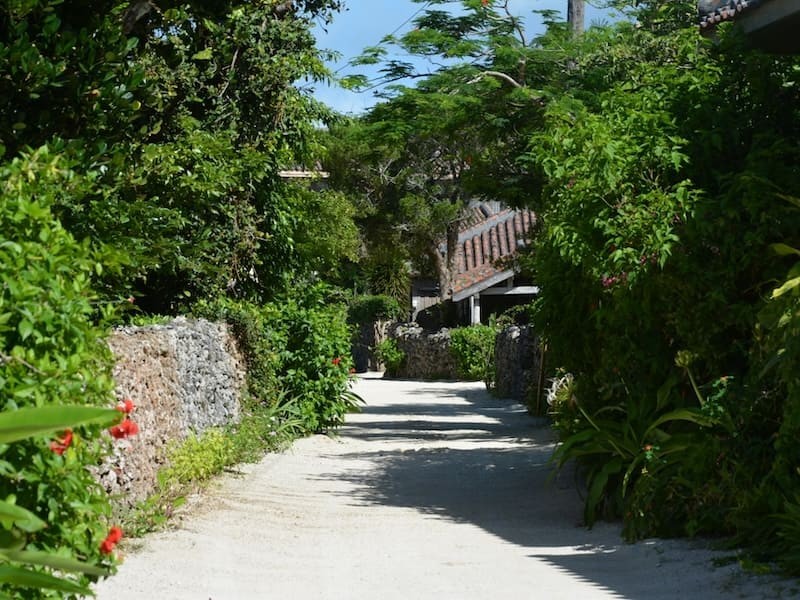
column 771, row 25
column 486, row 282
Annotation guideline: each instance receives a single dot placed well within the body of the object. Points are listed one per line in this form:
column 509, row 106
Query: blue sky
column 365, row 22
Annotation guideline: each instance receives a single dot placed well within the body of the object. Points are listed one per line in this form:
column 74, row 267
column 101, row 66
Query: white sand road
column 435, row 491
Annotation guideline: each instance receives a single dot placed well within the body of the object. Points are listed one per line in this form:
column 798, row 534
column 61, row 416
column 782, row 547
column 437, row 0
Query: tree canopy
column 175, row 118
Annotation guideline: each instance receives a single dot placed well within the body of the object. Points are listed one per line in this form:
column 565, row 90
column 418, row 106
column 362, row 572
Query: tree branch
column 498, row 75
column 230, row 73
column 8, row 359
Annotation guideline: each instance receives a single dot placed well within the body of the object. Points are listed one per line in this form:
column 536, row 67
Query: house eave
column 770, row 25
column 482, row 285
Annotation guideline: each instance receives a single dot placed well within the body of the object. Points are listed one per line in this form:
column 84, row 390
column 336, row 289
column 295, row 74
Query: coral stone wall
column 427, row 352
column 517, row 355
column 183, row 377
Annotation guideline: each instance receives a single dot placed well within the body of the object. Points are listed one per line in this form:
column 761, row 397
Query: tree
column 420, row 156
column 176, row 118
column 575, row 16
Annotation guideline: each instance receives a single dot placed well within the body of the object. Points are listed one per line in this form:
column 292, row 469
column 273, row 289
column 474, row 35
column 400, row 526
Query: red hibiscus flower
column 112, row 539
column 126, row 406
column 337, row 360
column 125, row 429
column 60, row 445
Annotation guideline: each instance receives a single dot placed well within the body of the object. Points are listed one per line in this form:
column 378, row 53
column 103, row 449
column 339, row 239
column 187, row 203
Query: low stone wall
column 427, row 352
column 517, row 353
column 183, row 377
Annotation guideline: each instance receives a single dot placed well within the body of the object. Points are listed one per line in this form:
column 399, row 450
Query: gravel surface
column 435, row 491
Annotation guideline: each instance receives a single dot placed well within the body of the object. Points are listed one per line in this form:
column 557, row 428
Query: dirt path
column 435, row 491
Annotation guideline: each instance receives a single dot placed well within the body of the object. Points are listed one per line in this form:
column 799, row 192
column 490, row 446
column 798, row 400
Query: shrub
column 297, row 347
column 315, row 361
column 390, row 355
column 51, row 355
column 367, row 309
column 473, row 349
column 197, row 458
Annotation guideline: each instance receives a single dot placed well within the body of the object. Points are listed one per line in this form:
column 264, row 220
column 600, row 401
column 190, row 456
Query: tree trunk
column 447, row 265
column 575, row 16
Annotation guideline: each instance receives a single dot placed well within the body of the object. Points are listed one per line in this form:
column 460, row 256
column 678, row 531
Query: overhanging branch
column 498, row 75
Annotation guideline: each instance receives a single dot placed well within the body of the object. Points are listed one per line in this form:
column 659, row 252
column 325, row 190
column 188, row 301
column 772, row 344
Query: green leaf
column 597, row 488
column 681, row 414
column 21, row 517
column 31, row 579
column 59, row 563
column 25, row 328
column 790, row 199
column 26, row 422
column 784, row 250
column 206, row 54
column 786, row 287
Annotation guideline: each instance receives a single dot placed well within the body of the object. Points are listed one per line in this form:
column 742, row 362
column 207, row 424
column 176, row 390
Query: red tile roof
column 483, row 243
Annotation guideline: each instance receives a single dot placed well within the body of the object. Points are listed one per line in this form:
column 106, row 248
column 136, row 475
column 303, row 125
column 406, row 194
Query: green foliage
column 368, row 309
column 52, row 358
column 300, row 346
column 388, row 273
column 24, row 573
column 473, row 349
column 197, row 458
column 175, row 121
column 315, row 360
column 658, row 206
column 390, row 355
column 325, row 235
column 626, row 451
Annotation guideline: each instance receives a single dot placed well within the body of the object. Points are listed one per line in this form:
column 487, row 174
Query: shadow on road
column 469, row 458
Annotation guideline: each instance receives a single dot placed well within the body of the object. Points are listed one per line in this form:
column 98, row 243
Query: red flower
column 60, row 445
column 126, row 406
column 114, row 534
column 112, row 539
column 124, row 429
column 337, row 360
